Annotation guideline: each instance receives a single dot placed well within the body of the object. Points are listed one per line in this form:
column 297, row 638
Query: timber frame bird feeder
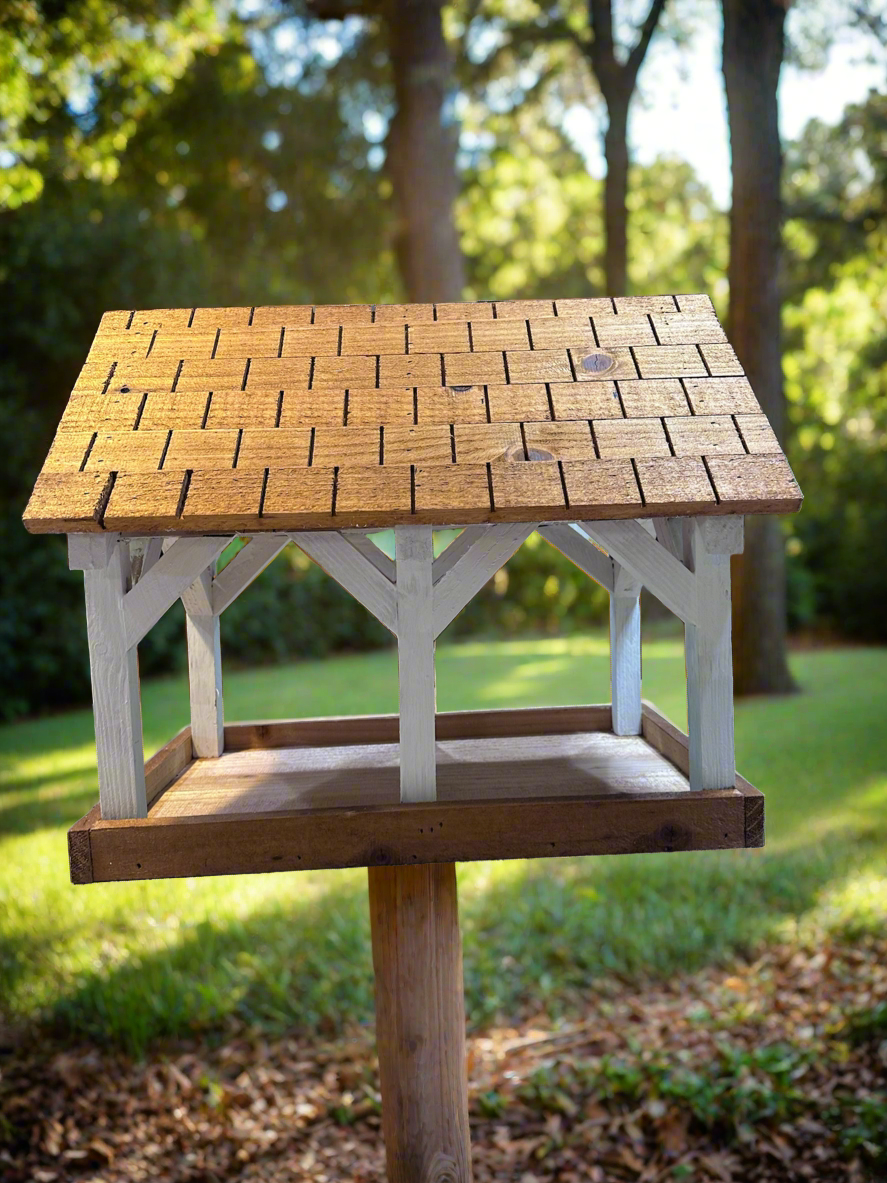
column 623, row 431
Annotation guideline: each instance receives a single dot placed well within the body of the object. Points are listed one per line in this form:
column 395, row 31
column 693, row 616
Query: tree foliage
column 200, row 155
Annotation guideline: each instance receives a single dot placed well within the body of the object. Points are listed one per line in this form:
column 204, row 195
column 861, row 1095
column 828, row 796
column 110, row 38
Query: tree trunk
column 752, row 58
column 422, row 154
column 615, row 196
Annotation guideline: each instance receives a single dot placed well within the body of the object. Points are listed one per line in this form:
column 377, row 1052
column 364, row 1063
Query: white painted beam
column 204, row 668
column 91, row 552
column 347, row 565
column 415, row 663
column 631, row 546
column 722, row 535
column 710, row 668
column 116, row 705
column 247, row 565
column 475, row 565
column 625, row 653
column 580, row 550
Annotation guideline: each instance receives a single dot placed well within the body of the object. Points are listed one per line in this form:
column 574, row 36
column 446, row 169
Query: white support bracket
column 477, row 560
column 246, row 566
column 362, row 542
column 579, row 549
column 349, row 566
column 630, row 544
column 170, row 576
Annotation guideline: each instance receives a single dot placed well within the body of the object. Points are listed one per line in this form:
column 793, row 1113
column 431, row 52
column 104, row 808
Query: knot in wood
column 443, row 1168
column 598, row 362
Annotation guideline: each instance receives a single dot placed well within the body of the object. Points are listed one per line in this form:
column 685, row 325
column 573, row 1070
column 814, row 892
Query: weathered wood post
column 420, row 1022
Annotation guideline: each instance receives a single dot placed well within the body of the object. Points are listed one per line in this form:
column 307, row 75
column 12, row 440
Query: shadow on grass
column 537, row 937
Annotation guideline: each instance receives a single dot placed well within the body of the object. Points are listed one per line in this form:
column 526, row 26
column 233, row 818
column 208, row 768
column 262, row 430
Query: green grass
column 133, row 963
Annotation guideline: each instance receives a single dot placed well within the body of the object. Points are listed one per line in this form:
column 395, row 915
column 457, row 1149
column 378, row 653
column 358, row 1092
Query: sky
column 680, row 108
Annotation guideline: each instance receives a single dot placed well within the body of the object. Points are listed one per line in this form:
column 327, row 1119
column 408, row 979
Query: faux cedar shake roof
column 211, row 420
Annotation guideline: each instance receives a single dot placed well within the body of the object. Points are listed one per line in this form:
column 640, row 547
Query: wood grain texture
column 420, row 1023
column 463, row 831
column 316, row 417
column 166, row 764
column 622, row 802
column 662, row 734
column 365, row 729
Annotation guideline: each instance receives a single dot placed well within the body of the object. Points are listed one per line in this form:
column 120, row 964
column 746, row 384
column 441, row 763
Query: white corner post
column 115, row 677
column 415, row 662
column 625, row 652
column 708, row 544
column 204, row 667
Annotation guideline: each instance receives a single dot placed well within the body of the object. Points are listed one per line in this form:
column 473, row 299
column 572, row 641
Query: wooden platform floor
column 596, row 764
column 314, row 793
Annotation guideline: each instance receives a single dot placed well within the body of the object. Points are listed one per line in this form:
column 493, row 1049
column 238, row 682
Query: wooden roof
column 213, row 420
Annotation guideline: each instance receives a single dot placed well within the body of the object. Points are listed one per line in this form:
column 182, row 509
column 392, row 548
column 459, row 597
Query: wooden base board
column 315, row 793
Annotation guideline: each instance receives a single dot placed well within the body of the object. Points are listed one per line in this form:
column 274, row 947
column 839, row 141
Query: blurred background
column 186, row 153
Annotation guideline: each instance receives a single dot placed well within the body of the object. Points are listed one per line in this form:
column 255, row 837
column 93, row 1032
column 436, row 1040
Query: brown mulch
column 759, row 1074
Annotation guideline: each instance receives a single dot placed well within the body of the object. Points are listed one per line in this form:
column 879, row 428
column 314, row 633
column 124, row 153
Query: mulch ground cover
column 769, row 1072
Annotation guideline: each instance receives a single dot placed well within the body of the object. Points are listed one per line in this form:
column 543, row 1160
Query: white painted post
column 625, row 652
column 115, row 690
column 415, row 662
column 708, row 545
column 204, row 668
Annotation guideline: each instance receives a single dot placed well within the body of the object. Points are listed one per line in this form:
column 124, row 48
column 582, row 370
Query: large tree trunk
column 752, row 58
column 616, row 196
column 422, row 154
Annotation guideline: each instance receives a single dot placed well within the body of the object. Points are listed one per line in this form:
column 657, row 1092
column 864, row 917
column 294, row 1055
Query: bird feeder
column 623, row 431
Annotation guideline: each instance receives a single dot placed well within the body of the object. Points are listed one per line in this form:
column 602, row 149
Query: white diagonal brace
column 342, row 561
column 471, row 571
column 580, row 550
column 370, row 551
column 457, row 548
column 168, row 578
column 630, row 544
column 249, row 562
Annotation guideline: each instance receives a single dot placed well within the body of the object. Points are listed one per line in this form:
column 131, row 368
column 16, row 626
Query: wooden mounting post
column 625, row 652
column 415, row 662
column 420, row 1022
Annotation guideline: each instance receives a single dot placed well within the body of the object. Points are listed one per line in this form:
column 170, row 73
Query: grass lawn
column 133, row 963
